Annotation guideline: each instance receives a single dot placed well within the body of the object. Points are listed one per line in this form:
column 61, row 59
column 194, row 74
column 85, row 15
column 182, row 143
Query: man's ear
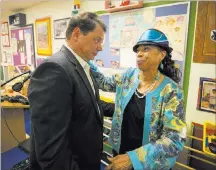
column 76, row 33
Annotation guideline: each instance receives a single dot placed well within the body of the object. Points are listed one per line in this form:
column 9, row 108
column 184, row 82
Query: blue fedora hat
column 153, row 37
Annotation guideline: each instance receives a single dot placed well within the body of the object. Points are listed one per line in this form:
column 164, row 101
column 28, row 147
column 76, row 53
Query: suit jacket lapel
column 97, row 96
column 83, row 76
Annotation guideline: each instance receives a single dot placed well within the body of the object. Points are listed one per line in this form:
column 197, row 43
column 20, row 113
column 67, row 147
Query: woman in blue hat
column 148, row 128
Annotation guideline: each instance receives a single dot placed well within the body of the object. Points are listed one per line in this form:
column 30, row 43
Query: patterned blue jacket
column 164, row 128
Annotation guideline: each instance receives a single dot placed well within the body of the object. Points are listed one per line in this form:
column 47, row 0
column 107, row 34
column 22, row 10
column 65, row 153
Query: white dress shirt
column 84, row 65
column 86, row 68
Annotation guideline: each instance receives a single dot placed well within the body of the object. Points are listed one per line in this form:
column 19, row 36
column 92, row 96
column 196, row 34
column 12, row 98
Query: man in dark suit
column 66, row 113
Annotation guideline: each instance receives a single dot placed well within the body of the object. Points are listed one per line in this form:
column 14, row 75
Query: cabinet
column 205, row 35
column 18, row 19
column 107, row 150
column 12, row 121
column 106, row 131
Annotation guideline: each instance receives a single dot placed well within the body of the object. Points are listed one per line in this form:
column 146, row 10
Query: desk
column 13, row 113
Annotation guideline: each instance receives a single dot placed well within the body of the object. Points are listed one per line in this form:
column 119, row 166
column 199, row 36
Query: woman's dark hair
column 169, row 69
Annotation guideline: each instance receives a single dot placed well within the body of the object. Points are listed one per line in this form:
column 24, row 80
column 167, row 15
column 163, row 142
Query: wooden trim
column 202, row 34
column 13, row 105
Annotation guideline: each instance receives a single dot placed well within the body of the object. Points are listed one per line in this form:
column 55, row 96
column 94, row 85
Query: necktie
column 87, row 70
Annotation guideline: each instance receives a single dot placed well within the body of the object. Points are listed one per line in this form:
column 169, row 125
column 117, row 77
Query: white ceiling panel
column 17, row 5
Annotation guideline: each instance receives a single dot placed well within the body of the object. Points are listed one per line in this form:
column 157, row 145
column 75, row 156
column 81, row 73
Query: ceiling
column 8, row 6
column 17, row 5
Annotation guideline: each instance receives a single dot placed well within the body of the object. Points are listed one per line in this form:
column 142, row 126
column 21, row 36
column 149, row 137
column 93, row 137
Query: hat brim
column 165, row 47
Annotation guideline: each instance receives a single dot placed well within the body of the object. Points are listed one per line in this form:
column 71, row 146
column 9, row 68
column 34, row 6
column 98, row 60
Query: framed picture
column 60, row 27
column 207, row 95
column 5, row 34
column 4, row 28
column 43, row 36
column 22, row 42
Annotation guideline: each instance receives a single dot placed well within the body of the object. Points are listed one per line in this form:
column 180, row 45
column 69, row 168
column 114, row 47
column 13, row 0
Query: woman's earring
column 161, row 65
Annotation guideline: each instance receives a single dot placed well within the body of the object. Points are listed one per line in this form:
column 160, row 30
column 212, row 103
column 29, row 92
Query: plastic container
column 209, row 139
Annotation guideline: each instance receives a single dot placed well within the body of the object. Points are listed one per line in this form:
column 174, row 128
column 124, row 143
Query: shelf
column 107, row 145
column 104, row 159
column 106, row 135
column 107, row 124
column 18, row 19
column 6, row 105
column 108, row 153
column 127, row 7
column 107, row 127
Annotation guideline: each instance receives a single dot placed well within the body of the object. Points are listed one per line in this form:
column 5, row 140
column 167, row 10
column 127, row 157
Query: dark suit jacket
column 66, row 126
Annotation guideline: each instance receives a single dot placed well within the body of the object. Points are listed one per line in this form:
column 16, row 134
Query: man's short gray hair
column 86, row 22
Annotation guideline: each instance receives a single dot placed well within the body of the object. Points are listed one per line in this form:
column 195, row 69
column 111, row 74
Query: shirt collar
column 82, row 62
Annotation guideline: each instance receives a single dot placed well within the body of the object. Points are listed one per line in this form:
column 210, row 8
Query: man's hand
column 120, row 162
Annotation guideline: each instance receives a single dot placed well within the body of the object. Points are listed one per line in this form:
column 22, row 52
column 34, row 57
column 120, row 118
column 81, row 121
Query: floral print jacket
column 164, row 127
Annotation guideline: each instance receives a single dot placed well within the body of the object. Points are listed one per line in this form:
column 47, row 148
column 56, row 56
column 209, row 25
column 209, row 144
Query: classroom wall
column 197, row 71
column 54, row 9
column 62, row 9
column 3, row 17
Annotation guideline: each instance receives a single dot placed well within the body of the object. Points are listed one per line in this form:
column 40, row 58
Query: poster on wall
column 174, row 25
column 207, row 95
column 43, row 36
column 100, row 59
column 60, row 27
column 4, row 28
column 22, row 42
column 5, row 34
column 124, row 29
column 12, row 71
column 7, row 56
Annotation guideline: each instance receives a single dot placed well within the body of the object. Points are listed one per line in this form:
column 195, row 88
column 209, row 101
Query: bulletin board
column 124, row 29
column 22, row 41
column 5, row 34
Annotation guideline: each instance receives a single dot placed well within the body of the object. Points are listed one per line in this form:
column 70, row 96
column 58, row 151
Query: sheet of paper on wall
column 174, row 27
column 9, row 58
column 4, row 57
column 28, row 51
column 127, row 58
column 14, row 45
column 5, row 40
column 21, row 35
column 22, row 57
column 177, row 56
column 4, row 28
